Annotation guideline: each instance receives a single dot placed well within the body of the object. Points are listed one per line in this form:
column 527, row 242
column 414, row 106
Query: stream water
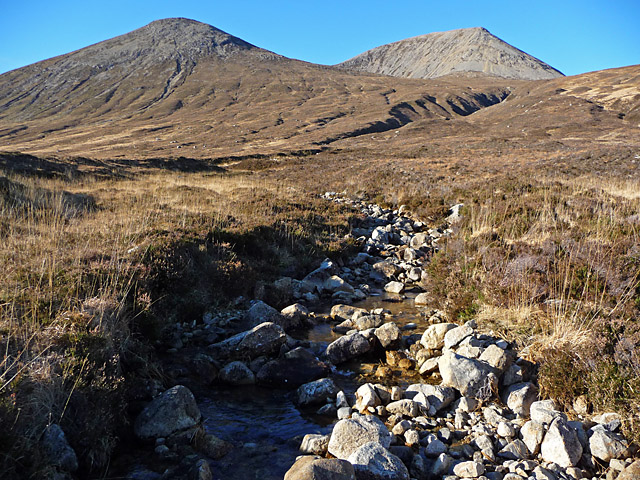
column 264, row 424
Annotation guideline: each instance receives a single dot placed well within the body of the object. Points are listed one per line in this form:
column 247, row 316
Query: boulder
column 456, row 335
column 519, row 397
column 314, row 468
column 421, row 299
column 57, row 450
column 496, row 357
column 561, row 444
column 347, row 347
column 515, row 450
column 315, row 444
column 386, row 268
column 170, row 412
column 470, row 377
column 315, row 280
column 607, row 445
column 420, row 240
column 388, row 334
column 346, row 312
column 366, row 397
column 438, row 396
column 372, row 461
column 336, row 284
column 295, row 315
column 433, row 337
column 237, row 373
column 631, row 472
column 365, row 322
column 468, row 469
column 350, row 434
column 404, row 407
column 260, row 312
column 532, row 434
column 263, row 339
column 394, row 287
column 545, row 411
column 295, row 368
column 316, row 392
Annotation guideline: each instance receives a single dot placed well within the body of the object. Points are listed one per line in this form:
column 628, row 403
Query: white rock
column 394, row 287
column 421, row 299
column 561, row 444
column 433, row 337
column 545, row 411
column 469, row 469
column 607, row 445
column 532, row 435
column 454, row 336
column 350, row 434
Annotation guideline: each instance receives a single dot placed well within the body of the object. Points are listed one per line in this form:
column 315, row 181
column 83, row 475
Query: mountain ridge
column 454, row 51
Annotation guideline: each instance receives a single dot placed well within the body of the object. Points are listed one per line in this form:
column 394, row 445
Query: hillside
column 456, row 51
column 178, row 84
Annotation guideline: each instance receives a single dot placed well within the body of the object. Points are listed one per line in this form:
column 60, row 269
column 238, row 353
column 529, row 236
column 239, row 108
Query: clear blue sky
column 573, row 36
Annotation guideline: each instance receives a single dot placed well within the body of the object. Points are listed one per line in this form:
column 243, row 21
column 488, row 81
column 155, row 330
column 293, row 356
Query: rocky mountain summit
column 455, row 51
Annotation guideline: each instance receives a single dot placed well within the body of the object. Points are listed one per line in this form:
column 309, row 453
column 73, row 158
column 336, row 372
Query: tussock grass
column 93, row 269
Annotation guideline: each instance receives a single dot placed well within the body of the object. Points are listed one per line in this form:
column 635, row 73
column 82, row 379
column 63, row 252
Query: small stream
column 264, row 424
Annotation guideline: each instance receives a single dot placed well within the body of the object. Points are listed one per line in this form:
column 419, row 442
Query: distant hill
column 456, row 51
column 177, row 83
column 181, row 88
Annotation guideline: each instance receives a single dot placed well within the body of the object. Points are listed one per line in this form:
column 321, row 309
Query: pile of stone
column 484, row 420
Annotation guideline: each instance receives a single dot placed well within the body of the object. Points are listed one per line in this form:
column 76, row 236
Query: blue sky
column 572, row 36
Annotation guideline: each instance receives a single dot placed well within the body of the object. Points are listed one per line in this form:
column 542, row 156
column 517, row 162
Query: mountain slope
column 443, row 53
column 178, row 83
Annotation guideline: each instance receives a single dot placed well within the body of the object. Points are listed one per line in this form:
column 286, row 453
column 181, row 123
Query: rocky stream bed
column 372, row 384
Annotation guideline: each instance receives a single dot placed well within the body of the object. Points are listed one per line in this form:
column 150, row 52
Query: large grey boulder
column 388, row 334
column 456, row 335
column 295, row 315
column 519, row 397
column 561, row 444
column 350, row 434
column 365, row 322
column 545, row 411
column 260, row 312
column 263, row 339
column 374, row 462
column 57, row 450
column 532, row 435
column 237, row 373
column 607, row 445
column 347, row 347
column 316, row 392
column 438, row 396
column 313, row 468
column 170, row 412
column 468, row 469
column 433, row 337
column 346, row 312
column 470, row 377
column 315, row 281
column 314, row 443
column 404, row 407
column 336, row 284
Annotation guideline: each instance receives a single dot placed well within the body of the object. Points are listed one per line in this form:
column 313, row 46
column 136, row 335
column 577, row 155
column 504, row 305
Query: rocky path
column 466, row 406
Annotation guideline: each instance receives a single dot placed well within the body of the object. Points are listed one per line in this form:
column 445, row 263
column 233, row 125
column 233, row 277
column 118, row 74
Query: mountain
column 178, row 83
column 456, row 51
column 181, row 88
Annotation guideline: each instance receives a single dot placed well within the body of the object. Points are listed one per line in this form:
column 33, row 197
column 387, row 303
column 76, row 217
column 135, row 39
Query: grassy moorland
column 547, row 254
column 94, row 267
column 95, row 264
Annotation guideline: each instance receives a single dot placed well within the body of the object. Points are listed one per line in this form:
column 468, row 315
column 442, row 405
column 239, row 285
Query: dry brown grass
column 88, row 265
